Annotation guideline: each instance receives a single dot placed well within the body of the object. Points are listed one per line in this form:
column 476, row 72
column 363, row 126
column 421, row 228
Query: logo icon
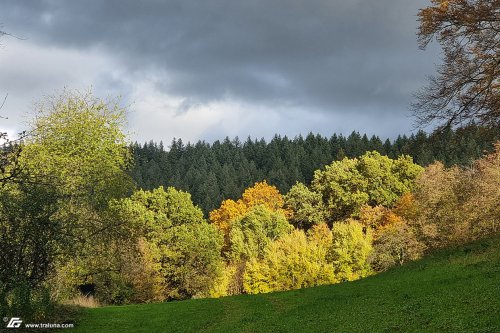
column 14, row 322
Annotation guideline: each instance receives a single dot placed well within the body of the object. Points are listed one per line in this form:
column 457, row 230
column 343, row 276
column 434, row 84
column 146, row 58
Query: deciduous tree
column 260, row 194
column 76, row 142
column 350, row 250
column 467, row 85
column 183, row 248
column 455, row 205
column 251, row 233
column 395, row 244
column 305, row 206
column 74, row 161
column 373, row 179
column 291, row 262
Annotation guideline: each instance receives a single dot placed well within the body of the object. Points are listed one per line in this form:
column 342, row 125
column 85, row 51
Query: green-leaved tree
column 373, row 179
column 183, row 249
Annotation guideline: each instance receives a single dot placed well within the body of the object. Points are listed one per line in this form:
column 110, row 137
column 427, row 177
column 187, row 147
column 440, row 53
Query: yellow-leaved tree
column 291, row 262
column 248, row 225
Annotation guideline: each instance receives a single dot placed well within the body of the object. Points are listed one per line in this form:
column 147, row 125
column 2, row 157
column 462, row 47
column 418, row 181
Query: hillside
column 454, row 290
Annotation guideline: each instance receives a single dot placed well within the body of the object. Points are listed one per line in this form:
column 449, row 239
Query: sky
column 204, row 70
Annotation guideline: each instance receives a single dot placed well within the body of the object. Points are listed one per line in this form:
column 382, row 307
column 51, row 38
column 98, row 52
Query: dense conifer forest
column 224, row 169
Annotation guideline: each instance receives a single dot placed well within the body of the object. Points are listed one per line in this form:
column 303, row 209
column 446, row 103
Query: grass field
column 455, row 290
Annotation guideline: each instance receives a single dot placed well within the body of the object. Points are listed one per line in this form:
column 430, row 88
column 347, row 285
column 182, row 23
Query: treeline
column 222, row 170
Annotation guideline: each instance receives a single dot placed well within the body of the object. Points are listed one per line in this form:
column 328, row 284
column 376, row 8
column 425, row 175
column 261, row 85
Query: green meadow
column 451, row 290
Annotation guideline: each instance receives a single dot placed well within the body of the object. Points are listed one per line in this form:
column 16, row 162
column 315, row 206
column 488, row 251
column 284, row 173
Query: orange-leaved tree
column 467, row 87
column 260, row 193
column 228, row 211
column 263, row 194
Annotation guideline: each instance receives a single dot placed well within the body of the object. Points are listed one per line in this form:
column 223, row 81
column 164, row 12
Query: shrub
column 25, row 301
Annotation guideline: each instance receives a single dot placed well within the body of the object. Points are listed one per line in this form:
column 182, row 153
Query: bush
column 25, row 301
column 143, row 272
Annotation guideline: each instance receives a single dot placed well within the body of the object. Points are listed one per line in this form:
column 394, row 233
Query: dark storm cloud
column 334, row 56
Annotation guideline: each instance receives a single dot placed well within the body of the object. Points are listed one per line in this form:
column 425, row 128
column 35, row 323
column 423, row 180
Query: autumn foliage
column 466, row 87
column 228, row 211
column 260, row 194
column 359, row 216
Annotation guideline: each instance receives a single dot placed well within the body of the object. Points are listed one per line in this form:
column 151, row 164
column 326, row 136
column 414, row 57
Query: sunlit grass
column 455, row 290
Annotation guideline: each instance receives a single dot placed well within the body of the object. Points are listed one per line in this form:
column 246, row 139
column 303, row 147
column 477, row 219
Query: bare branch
column 467, row 85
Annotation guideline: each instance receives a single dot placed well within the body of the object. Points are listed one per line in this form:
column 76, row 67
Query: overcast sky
column 215, row 68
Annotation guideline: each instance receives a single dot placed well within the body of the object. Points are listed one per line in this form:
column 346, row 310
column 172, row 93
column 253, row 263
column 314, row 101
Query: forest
column 223, row 169
column 76, row 226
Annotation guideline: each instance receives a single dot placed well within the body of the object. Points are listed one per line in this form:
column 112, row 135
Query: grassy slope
column 455, row 290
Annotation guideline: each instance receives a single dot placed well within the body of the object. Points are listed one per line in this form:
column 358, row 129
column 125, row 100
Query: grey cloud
column 330, row 55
